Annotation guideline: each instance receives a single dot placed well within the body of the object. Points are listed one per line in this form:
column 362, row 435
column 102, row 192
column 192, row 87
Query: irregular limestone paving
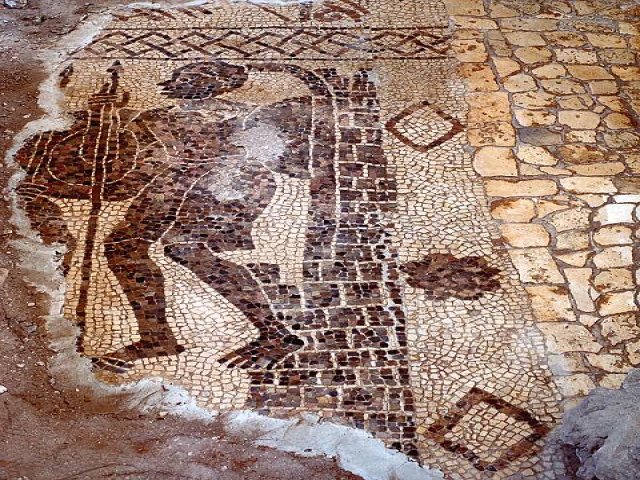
column 419, row 227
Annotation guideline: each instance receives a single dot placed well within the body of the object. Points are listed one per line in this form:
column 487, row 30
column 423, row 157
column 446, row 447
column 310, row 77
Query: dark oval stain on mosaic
column 441, row 275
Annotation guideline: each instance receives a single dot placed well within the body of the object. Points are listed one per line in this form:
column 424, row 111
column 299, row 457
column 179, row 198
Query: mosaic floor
column 415, row 218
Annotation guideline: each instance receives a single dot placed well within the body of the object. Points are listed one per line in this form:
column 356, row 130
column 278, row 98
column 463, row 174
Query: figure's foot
column 122, row 359
column 263, row 353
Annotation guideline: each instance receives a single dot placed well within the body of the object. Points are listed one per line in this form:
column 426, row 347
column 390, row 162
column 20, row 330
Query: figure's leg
column 236, row 284
column 143, row 283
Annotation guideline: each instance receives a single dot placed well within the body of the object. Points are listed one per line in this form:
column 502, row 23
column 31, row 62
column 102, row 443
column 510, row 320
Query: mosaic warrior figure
column 196, row 184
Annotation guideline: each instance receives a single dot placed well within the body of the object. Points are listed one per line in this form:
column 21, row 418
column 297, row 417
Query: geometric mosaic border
column 476, row 396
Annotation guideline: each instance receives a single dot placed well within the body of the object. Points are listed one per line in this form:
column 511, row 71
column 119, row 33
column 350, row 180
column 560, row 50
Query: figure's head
column 203, row 80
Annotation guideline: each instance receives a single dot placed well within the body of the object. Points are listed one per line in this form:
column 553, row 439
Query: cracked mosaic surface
column 294, row 208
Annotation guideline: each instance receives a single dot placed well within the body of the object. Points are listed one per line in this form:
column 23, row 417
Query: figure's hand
column 30, row 191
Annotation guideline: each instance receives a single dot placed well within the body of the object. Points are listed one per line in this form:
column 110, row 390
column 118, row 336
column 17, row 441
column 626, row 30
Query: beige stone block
column 588, row 185
column 499, row 47
column 573, row 55
column 628, row 28
column 495, row 162
column 571, row 219
column 495, row 35
column 613, row 279
column 530, row 171
column 540, row 135
column 500, row 134
column 505, row 66
column 617, row 120
column 578, row 385
column 531, row 24
column 488, row 107
column 534, row 100
column 612, row 380
column 469, row 50
column 608, row 362
column 598, row 169
column 627, row 198
column 575, row 102
column 613, row 257
column 513, row 209
column 633, row 351
column 462, row 21
column 580, row 136
column 556, row 171
column 580, row 287
column 613, row 103
column 622, row 140
column 523, row 235
column 566, row 39
column 628, row 185
column 545, row 207
column 626, row 73
column 525, row 39
column 616, row 302
column 588, row 320
column 535, row 155
column 633, row 163
column 502, row 11
column 572, row 240
column 524, row 188
column 465, row 7
column 535, row 265
column 564, row 337
column 566, row 364
column 519, row 83
column 619, row 56
column 621, row 328
column 604, row 40
column 589, row 72
column 533, row 55
column 534, row 118
column 581, row 154
column 562, row 86
column 550, row 303
column 603, row 87
column 614, row 235
column 466, row 34
column 574, row 259
column 593, row 200
column 615, row 213
column 552, row 70
column 579, row 119
column 478, row 77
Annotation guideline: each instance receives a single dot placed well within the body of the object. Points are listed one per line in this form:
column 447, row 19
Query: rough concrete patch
column 604, row 432
column 355, row 450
